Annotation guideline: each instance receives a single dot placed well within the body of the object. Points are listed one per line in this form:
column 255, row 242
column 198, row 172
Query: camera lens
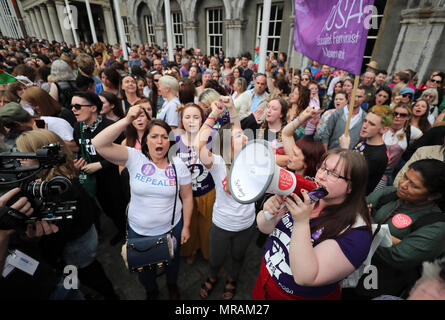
column 37, row 189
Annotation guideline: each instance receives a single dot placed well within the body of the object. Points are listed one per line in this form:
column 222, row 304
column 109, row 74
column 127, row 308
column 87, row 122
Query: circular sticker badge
column 148, row 169
column 285, row 182
column 170, row 172
column 401, row 221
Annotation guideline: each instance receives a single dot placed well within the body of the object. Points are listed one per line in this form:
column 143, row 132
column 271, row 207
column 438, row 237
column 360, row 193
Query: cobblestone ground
column 191, row 276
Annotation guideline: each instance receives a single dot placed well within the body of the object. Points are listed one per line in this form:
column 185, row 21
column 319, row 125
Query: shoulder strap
column 428, row 219
column 176, row 194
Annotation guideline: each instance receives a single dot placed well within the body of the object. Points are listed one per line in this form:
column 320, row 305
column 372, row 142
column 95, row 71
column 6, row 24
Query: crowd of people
column 149, row 142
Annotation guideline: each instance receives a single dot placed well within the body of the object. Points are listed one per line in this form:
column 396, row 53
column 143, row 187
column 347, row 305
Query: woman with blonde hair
column 397, row 139
column 76, row 241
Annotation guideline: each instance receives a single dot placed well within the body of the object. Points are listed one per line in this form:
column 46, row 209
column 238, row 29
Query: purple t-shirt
column 355, row 245
column 202, row 181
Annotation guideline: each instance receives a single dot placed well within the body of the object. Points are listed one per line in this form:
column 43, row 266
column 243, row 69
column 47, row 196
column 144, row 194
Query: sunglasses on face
column 401, row 115
column 79, row 106
column 407, row 95
column 305, row 79
column 436, row 81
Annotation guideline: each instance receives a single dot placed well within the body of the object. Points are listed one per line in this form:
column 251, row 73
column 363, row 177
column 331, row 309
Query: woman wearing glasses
column 313, row 247
column 99, row 177
column 397, row 139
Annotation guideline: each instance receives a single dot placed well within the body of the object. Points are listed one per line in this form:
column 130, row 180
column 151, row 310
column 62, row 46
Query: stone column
column 109, row 25
column 234, row 32
column 54, row 21
column 47, row 22
column 29, row 25
column 34, row 24
column 191, row 33
column 64, row 22
column 40, row 22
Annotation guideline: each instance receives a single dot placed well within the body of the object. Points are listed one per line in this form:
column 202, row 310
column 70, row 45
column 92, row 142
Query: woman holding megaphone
column 313, row 246
column 232, row 222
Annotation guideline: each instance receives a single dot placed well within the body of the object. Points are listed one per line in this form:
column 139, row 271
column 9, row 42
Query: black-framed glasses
column 79, row 106
column 401, row 115
column 332, row 174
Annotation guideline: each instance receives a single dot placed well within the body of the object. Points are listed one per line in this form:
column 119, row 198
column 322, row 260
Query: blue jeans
column 82, row 251
column 148, row 278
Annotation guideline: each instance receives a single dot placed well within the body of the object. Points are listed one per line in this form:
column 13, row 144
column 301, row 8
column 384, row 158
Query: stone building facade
column 410, row 33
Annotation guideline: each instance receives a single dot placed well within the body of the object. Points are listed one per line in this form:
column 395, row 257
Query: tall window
column 178, row 35
column 126, row 29
column 276, row 20
column 373, row 32
column 214, row 31
column 149, row 30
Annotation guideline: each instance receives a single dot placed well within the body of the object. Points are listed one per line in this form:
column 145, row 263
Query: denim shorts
column 82, row 251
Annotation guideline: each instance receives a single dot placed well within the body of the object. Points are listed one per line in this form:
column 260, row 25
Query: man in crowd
column 255, row 98
column 371, row 144
column 368, row 83
column 336, row 124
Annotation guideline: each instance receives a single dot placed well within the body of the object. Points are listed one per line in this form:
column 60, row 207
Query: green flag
column 6, row 78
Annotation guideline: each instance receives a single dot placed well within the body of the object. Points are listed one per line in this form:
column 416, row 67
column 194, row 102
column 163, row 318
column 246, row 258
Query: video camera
column 45, row 196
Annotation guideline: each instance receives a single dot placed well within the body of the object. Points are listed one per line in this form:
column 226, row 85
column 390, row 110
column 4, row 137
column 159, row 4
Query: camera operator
column 76, row 242
column 18, row 285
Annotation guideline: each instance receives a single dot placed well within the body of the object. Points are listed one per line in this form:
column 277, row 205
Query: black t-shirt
column 377, row 159
column 88, row 135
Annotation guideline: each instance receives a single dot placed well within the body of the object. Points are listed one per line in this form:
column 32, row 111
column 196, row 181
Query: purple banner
column 333, row 32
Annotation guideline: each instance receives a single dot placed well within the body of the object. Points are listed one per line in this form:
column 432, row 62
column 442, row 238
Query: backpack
column 66, row 90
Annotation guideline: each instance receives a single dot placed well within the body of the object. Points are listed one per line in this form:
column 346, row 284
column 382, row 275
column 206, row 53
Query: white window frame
column 216, row 36
column 126, row 29
column 379, row 17
column 272, row 26
column 149, row 30
column 178, row 33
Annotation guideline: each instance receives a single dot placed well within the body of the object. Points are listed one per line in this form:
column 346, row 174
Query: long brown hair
column 424, row 124
column 48, row 106
column 304, row 97
column 337, row 219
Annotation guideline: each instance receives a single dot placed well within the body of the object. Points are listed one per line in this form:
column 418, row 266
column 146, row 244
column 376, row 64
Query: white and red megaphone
column 254, row 173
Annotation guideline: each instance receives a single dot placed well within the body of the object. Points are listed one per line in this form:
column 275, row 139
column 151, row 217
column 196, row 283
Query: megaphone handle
column 270, row 216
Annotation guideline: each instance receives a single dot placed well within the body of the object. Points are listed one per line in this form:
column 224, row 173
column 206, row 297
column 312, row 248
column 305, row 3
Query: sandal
column 208, row 287
column 229, row 293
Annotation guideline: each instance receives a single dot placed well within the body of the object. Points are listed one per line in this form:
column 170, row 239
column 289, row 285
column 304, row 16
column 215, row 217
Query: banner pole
column 351, row 104
column 293, row 68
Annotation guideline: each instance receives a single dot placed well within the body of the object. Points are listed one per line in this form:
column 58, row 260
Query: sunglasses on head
column 79, row 106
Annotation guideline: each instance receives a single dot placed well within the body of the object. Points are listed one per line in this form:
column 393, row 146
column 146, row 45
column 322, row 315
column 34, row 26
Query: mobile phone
column 317, row 194
column 40, row 123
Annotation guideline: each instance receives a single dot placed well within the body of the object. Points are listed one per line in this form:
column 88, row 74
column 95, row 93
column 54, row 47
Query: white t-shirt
column 153, row 193
column 59, row 126
column 395, row 146
column 227, row 213
column 169, row 112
